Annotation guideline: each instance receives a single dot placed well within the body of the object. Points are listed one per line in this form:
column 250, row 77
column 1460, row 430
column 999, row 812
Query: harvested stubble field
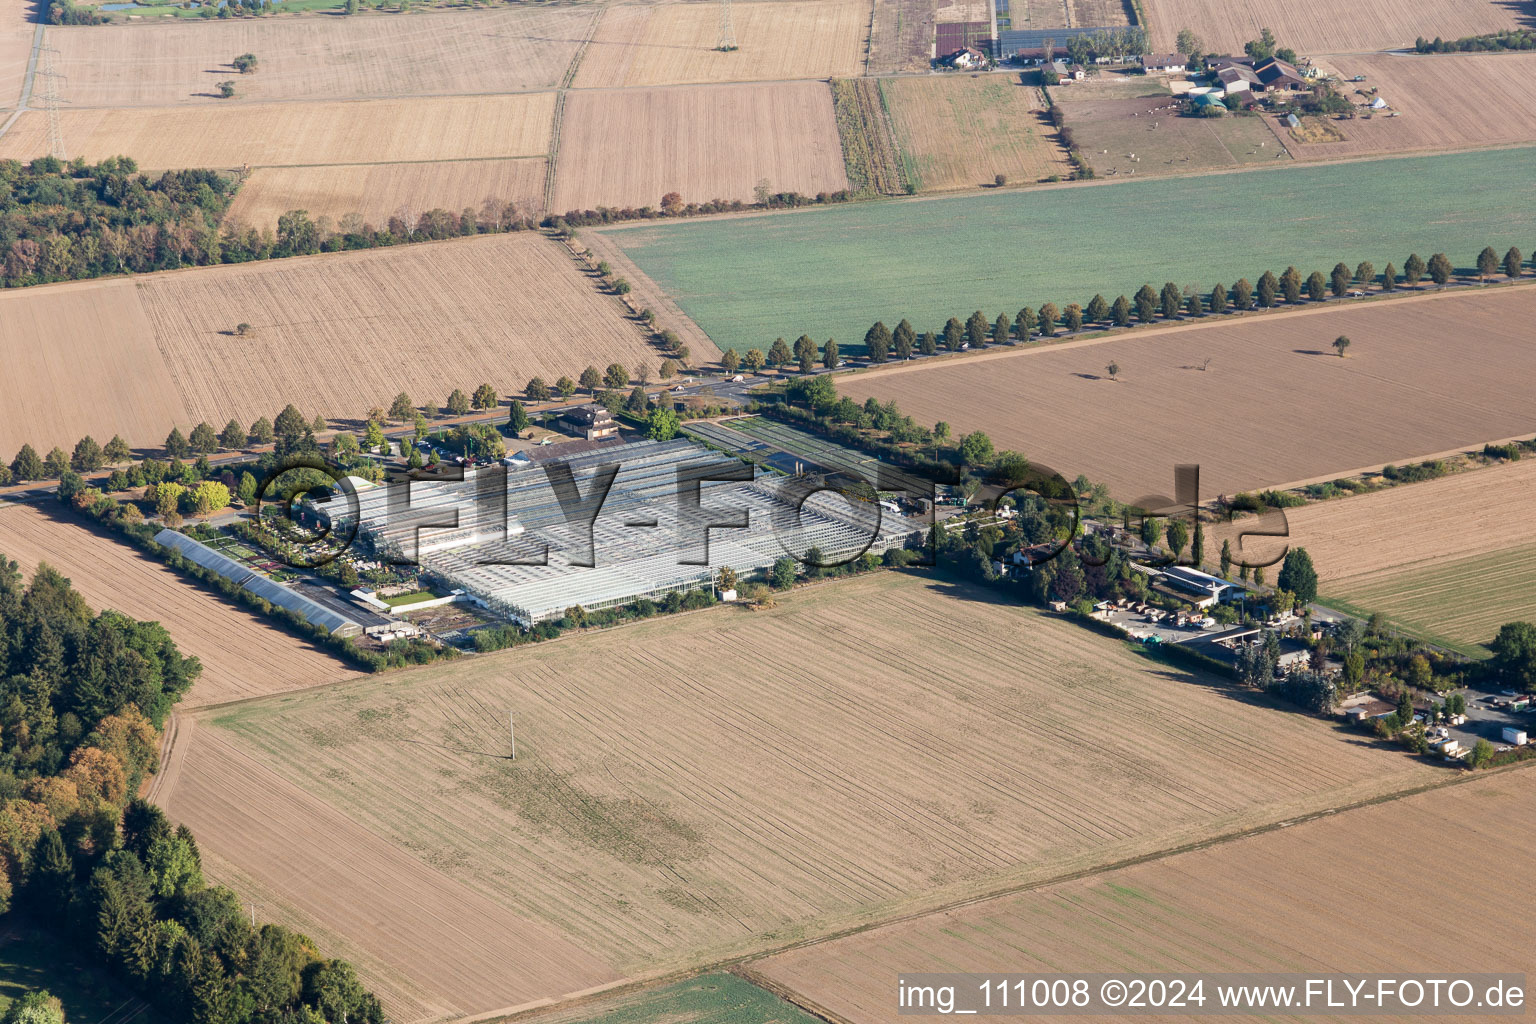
column 429, row 946
column 1424, row 375
column 959, row 131
column 695, row 786
column 16, row 30
column 1037, row 14
column 901, row 36
column 370, row 56
column 1302, row 899
column 1489, row 104
column 1149, row 128
column 298, row 134
column 1100, row 13
column 336, row 333
column 243, row 655
column 377, row 192
column 1449, row 559
column 630, row 147
column 1316, row 26
column 831, row 272
column 674, row 43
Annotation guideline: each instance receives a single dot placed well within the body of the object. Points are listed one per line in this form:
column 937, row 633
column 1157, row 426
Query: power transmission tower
column 727, row 31
column 51, row 101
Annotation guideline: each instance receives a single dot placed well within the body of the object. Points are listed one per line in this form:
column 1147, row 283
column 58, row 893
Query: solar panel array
column 246, row 578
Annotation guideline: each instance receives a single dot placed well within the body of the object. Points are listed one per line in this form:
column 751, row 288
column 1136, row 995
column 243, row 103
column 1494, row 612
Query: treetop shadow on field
column 1313, row 352
column 1088, row 376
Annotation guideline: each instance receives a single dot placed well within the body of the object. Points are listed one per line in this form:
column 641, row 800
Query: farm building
column 1216, row 64
column 955, row 37
column 1163, row 63
column 518, row 541
column 1199, row 588
column 966, row 59
column 1211, row 101
column 1278, row 76
column 327, row 616
column 1238, row 78
column 1035, row 56
column 590, row 421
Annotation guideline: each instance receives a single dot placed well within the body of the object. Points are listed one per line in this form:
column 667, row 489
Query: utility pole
column 512, row 735
column 51, row 101
column 727, row 30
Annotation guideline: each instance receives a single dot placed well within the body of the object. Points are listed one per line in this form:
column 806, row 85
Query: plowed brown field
column 1276, row 405
column 698, row 785
column 369, row 56
column 243, row 655
column 1303, row 899
column 674, row 43
column 298, row 134
column 1317, row 27
column 1488, row 106
column 336, row 334
column 429, row 946
column 631, row 147
column 377, row 192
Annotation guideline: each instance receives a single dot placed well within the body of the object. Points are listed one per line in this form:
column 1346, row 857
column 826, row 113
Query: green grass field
column 707, row 999
column 1460, row 604
column 832, row 271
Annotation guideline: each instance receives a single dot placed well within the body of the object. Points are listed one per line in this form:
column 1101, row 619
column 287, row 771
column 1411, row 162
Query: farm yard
column 832, row 272
column 243, row 654
column 1424, row 375
column 1486, row 105
column 373, row 56
column 1146, row 136
column 377, row 192
column 1319, row 27
column 1449, row 559
column 959, row 131
column 338, row 333
column 298, row 134
column 1255, row 904
column 695, row 786
column 674, row 43
column 631, row 147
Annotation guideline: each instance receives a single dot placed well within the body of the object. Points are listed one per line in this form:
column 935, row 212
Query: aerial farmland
column 748, row 281
column 1176, row 388
column 681, row 843
column 685, row 511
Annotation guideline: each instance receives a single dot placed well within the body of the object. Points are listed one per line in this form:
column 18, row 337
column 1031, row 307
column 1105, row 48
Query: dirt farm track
column 770, row 797
column 1275, row 406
